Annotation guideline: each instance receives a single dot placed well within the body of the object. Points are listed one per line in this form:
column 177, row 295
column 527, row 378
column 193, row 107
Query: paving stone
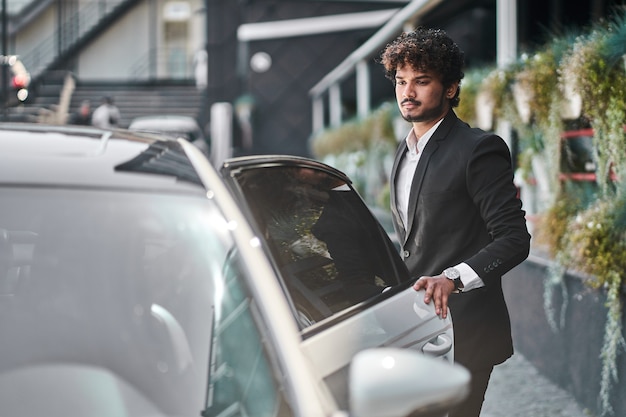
column 517, row 389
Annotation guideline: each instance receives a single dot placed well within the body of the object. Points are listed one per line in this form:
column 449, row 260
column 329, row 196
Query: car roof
column 77, row 156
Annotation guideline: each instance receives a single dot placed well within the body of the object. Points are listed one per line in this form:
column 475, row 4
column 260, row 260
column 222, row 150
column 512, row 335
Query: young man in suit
column 454, row 205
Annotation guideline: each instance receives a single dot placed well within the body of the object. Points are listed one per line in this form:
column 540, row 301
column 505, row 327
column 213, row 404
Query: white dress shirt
column 406, row 172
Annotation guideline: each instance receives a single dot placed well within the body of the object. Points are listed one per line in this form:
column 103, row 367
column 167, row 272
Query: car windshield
column 116, row 303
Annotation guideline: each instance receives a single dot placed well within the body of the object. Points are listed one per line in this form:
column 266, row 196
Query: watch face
column 452, row 273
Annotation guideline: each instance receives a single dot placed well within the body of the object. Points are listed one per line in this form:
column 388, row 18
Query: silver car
column 136, row 281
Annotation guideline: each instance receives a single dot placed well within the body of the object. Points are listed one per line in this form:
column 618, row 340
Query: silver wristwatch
column 454, row 275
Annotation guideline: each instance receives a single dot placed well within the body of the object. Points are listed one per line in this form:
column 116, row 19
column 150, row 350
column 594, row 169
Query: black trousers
column 472, row 405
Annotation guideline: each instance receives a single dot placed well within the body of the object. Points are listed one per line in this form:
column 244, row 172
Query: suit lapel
column 418, row 177
column 400, row 152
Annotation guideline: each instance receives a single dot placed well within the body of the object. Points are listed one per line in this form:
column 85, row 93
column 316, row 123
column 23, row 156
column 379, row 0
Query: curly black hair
column 426, row 50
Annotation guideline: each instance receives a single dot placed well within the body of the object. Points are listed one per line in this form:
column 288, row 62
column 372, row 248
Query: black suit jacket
column 464, row 207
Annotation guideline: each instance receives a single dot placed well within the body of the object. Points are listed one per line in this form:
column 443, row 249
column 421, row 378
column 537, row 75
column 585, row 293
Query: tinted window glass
column 330, row 250
column 241, row 379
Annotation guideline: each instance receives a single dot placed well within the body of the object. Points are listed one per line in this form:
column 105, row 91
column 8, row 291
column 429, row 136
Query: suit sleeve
column 490, row 185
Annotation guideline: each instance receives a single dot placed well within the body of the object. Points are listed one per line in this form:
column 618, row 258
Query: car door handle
column 438, row 346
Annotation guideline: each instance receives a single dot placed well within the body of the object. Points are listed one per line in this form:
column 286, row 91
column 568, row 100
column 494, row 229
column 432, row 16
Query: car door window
column 241, row 382
column 330, row 250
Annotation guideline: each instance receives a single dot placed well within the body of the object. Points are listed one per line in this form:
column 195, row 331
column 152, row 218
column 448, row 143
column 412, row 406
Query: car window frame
column 235, row 166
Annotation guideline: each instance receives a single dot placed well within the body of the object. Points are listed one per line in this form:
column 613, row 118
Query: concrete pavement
column 517, row 389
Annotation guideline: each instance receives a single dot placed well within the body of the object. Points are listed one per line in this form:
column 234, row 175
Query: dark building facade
column 281, row 109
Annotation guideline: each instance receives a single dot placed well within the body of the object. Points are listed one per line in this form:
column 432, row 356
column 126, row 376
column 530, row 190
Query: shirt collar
column 416, row 145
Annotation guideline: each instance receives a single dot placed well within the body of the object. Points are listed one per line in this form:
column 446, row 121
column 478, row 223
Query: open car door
column 347, row 284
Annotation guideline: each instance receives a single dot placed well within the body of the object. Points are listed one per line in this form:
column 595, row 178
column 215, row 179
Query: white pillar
column 506, row 25
column 506, row 41
column 334, row 105
column 221, row 133
column 318, row 114
column 362, row 89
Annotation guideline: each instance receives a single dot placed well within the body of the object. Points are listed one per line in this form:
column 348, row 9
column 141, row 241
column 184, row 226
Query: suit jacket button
column 405, row 254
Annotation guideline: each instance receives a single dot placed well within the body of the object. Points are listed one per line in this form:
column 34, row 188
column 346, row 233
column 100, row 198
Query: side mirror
column 394, row 382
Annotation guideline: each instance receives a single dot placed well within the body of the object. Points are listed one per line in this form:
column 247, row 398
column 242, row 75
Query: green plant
column 470, row 88
column 612, row 343
column 540, row 136
column 597, row 245
column 584, row 228
column 356, row 134
column 498, row 84
column 589, row 237
column 537, row 76
column 362, row 149
column 593, row 62
column 596, row 241
column 552, row 236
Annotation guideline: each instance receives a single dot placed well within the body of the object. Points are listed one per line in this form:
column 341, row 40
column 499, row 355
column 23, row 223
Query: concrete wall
column 39, row 30
column 569, row 356
column 112, row 55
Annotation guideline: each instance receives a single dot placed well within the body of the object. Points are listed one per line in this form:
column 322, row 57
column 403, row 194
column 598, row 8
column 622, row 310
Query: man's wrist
column 454, row 275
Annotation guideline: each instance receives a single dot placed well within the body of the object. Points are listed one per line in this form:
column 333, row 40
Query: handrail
column 22, row 13
column 373, row 44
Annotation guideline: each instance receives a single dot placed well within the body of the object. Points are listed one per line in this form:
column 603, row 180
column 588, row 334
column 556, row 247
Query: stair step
column 133, row 99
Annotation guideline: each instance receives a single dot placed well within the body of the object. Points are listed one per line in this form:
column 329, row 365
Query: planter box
column 569, row 357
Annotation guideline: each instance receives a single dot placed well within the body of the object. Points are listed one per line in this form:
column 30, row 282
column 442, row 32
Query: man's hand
column 438, row 288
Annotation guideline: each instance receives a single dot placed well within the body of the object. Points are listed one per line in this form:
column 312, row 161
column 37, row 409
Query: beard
column 426, row 114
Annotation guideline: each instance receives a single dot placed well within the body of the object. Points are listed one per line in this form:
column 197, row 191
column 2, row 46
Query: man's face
column 421, row 95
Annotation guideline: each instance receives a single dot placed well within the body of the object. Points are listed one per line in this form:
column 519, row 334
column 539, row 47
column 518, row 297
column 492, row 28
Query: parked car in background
column 178, row 126
column 135, row 281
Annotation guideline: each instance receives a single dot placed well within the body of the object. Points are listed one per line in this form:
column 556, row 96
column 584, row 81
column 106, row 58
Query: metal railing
column 356, row 63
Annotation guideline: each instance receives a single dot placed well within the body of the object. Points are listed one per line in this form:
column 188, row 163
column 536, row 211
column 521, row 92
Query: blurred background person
column 201, row 68
column 83, row 115
column 106, row 115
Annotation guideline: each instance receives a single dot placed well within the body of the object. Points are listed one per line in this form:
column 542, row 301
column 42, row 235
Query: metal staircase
column 136, row 99
column 53, row 100
column 80, row 23
column 77, row 30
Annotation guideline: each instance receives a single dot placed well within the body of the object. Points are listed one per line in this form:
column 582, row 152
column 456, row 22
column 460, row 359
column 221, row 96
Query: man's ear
column 451, row 90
